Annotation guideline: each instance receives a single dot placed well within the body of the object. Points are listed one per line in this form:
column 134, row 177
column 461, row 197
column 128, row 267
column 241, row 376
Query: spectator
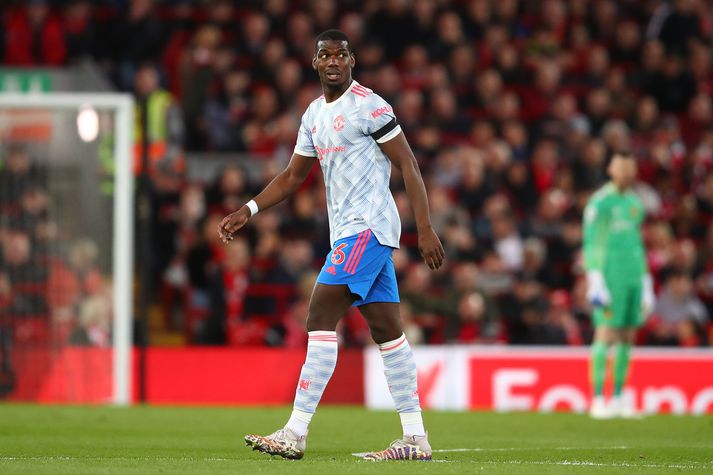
column 137, row 39
column 18, row 174
column 679, row 316
column 158, row 125
column 27, row 278
column 33, row 36
column 226, row 322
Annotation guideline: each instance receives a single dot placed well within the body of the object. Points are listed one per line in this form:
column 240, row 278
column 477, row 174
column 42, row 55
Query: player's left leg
column 399, row 367
column 625, row 338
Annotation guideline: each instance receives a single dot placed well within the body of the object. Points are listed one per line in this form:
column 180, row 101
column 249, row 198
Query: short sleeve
column 305, row 146
column 378, row 119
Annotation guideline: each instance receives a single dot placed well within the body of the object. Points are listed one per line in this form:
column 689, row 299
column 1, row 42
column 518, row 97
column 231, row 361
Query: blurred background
column 511, row 108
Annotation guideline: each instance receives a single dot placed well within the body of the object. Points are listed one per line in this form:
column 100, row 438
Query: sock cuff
column 303, row 416
column 411, row 417
column 322, row 338
column 393, row 345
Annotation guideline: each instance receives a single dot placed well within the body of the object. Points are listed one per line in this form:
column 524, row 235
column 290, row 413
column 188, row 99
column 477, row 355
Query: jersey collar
column 338, row 99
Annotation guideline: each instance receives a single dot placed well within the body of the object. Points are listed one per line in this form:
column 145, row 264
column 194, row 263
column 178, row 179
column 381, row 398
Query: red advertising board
column 242, row 376
column 450, row 377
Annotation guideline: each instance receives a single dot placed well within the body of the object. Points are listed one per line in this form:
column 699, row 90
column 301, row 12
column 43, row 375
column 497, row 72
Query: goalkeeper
column 620, row 288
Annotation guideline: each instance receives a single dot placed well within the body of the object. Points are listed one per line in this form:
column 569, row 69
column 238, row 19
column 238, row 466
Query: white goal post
column 122, row 107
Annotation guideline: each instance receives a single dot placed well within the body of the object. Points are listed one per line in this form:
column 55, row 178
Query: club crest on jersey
column 339, row 123
column 314, row 129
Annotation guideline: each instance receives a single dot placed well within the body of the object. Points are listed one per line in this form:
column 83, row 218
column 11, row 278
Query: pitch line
column 588, row 463
column 514, row 449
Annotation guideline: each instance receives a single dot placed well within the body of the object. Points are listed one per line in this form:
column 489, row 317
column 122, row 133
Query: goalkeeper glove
column 597, row 291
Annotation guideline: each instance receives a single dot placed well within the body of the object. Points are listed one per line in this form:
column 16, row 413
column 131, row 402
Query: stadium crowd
column 511, row 107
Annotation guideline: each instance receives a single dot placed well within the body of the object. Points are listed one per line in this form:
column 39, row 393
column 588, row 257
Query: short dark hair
column 332, row 35
column 625, row 154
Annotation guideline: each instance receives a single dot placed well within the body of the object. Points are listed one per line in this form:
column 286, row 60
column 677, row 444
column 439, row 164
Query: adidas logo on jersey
column 331, row 270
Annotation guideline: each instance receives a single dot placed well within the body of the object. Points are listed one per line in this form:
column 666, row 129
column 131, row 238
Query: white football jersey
column 343, row 135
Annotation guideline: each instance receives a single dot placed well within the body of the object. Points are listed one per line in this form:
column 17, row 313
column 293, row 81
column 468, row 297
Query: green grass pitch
column 104, row 440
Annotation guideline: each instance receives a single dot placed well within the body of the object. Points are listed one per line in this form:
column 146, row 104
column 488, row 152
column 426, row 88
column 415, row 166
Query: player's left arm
column 400, row 154
column 648, row 297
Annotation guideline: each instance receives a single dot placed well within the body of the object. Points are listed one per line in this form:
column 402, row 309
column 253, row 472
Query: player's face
column 623, row 172
column 333, row 63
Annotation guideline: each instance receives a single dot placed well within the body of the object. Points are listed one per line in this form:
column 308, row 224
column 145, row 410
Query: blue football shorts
column 365, row 266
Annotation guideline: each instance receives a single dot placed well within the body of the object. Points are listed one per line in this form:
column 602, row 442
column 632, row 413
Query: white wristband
column 252, row 206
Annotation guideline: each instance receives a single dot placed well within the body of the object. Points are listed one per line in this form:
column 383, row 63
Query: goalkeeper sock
column 318, row 368
column 401, row 376
column 621, row 366
column 598, row 366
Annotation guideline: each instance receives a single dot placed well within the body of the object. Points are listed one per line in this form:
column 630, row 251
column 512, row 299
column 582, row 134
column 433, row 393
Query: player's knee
column 384, row 329
column 317, row 321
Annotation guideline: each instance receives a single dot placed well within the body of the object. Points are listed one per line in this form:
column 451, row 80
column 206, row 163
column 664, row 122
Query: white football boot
column 600, row 409
column 283, row 442
column 411, row 447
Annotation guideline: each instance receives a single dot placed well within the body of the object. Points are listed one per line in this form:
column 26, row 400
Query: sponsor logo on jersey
column 339, row 123
column 380, row 111
column 314, row 129
column 321, row 152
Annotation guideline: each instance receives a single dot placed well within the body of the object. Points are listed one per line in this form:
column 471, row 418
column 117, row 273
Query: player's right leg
column 329, row 303
column 603, row 337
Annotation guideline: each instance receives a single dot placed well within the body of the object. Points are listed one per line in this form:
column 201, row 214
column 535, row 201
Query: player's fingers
column 439, row 260
column 221, row 233
column 430, row 262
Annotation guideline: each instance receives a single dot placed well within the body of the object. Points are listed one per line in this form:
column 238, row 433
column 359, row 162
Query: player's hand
column 597, row 291
column 648, row 298
column 431, row 248
column 232, row 223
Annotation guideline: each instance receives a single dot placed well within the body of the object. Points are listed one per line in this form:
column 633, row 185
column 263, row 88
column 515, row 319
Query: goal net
column 66, row 232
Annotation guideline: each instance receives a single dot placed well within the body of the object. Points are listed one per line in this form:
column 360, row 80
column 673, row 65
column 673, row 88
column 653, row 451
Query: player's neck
column 332, row 94
column 621, row 189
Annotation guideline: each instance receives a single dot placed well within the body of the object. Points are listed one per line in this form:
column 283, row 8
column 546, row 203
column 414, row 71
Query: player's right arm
column 282, row 186
column 596, row 225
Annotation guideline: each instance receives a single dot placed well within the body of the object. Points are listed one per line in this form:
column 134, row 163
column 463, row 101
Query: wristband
column 252, row 206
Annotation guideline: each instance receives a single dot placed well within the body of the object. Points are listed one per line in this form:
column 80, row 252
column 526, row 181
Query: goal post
column 71, row 127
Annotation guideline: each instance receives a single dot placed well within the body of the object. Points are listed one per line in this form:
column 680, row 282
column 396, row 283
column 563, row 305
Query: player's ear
column 353, row 59
column 314, row 62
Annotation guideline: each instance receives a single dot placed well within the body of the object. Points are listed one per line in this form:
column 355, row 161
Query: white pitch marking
column 596, row 464
column 513, row 449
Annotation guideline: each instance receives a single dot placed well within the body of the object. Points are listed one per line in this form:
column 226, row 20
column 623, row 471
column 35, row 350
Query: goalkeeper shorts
column 624, row 311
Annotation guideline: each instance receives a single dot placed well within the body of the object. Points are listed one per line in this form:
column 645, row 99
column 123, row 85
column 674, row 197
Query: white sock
column 316, row 372
column 401, row 376
column 412, row 423
column 299, row 422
